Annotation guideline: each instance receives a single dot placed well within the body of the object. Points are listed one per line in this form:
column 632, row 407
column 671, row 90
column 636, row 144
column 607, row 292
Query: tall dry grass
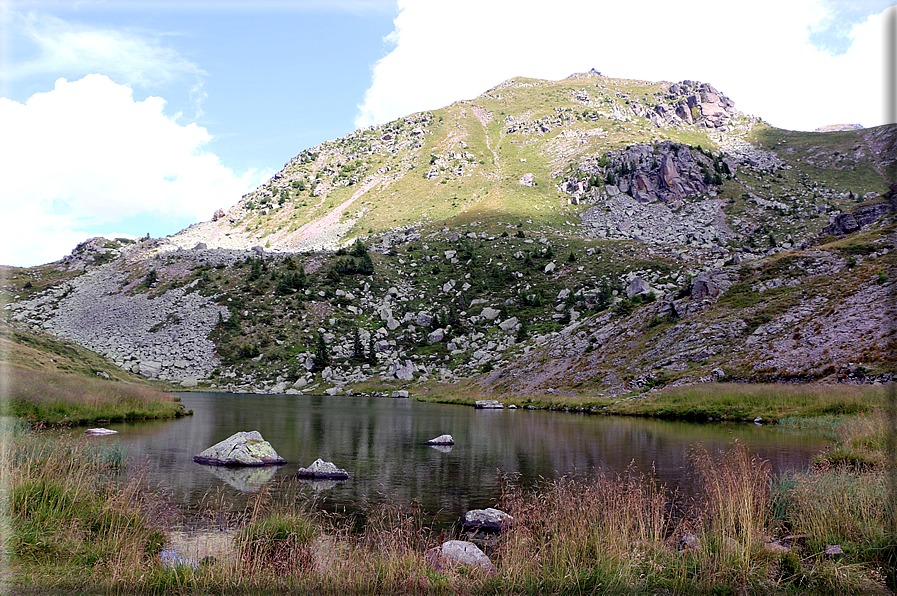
column 78, row 526
column 72, row 520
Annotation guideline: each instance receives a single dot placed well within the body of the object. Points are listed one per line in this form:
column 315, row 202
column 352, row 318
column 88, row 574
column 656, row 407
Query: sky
column 134, row 117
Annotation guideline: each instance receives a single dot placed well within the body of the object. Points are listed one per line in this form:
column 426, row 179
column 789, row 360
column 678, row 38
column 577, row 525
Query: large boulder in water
column 241, row 449
column 441, row 440
column 323, row 470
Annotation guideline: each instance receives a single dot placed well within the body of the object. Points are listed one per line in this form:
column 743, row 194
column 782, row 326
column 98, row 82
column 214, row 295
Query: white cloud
column 63, row 47
column 759, row 54
column 86, row 155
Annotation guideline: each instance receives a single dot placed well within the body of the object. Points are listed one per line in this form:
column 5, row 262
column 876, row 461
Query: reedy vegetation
column 77, row 525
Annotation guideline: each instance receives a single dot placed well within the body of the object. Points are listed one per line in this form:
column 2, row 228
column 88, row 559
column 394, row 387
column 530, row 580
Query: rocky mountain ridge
column 589, row 236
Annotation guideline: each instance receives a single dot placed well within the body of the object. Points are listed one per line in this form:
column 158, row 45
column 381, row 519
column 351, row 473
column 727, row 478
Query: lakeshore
column 598, row 533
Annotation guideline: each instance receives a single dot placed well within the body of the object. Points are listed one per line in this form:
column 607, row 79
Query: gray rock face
column 441, row 440
column 240, row 449
column 847, row 223
column 324, row 470
column 487, row 519
column 164, row 337
column 459, row 552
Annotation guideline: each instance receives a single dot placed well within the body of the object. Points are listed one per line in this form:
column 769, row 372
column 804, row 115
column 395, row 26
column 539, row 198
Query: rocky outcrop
column 666, row 172
column 694, row 103
column 240, row 449
column 862, row 216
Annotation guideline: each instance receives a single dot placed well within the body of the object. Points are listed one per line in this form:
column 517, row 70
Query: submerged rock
column 324, row 470
column 240, row 449
column 487, row 519
column 441, row 440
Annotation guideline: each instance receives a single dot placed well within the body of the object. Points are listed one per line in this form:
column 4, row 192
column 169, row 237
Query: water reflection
column 245, row 480
column 380, row 443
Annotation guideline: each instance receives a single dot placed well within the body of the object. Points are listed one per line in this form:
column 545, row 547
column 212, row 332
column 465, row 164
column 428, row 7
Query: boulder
column 436, row 336
column 200, row 246
column 527, row 180
column 401, row 393
column 487, row 519
column 189, row 382
column 703, row 286
column 406, row 372
column 259, row 250
column 453, row 553
column 636, row 287
column 508, row 324
column 490, row 313
column 488, row 404
column 550, row 267
column 441, row 440
column 323, row 470
column 240, row 449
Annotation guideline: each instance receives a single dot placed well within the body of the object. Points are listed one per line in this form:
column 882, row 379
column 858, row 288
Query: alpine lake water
column 379, row 441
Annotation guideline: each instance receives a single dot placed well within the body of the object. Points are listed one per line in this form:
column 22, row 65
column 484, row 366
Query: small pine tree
column 322, row 356
column 372, row 351
column 522, row 331
column 357, row 348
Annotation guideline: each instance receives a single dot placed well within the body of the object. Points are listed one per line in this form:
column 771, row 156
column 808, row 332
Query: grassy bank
column 724, row 401
column 53, row 398
column 78, row 526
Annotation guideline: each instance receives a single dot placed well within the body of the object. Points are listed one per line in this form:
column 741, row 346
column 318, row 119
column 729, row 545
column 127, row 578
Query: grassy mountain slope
column 590, row 236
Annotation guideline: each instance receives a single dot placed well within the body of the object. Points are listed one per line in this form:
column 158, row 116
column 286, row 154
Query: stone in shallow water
column 487, row 519
column 240, row 449
column 98, row 432
column 323, row 470
column 441, row 440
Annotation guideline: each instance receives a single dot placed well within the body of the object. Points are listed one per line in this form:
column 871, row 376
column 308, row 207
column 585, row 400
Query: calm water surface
column 379, row 441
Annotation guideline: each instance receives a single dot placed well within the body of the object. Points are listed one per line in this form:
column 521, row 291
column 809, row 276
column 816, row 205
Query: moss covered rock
column 240, row 449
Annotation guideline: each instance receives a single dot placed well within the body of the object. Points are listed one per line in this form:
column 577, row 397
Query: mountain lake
column 379, row 441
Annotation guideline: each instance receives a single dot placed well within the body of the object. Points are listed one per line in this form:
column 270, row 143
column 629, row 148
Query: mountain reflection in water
column 379, row 442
